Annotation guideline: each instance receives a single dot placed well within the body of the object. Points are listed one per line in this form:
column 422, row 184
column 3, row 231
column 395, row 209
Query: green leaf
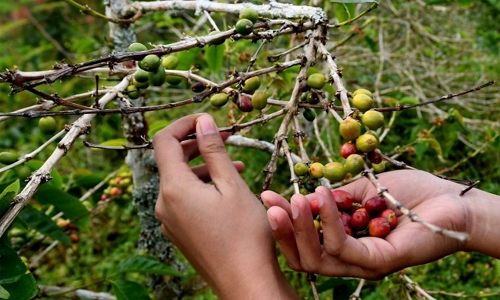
column 23, row 289
column 128, row 290
column 157, row 126
column 11, row 265
column 146, row 264
column 56, row 180
column 4, row 294
column 43, row 224
column 112, row 143
column 70, row 205
column 214, row 56
column 8, row 195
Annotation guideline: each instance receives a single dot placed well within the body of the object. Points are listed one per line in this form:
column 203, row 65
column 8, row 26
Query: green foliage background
column 428, row 51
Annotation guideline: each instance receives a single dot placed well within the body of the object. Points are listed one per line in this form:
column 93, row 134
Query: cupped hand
column 434, row 200
column 209, row 212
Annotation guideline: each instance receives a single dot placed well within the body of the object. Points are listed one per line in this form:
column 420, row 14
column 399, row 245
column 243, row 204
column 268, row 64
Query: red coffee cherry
column 343, row 199
column 379, row 227
column 390, row 216
column 348, row 149
column 314, row 207
column 375, row 205
column 360, row 219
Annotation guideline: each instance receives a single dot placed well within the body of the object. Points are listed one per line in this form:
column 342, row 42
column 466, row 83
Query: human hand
column 220, row 227
column 434, row 200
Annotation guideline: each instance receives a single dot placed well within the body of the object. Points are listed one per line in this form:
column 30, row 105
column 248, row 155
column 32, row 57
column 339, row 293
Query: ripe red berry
column 343, row 199
column 390, row 216
column 360, row 219
column 348, row 149
column 314, row 207
column 245, row 103
column 379, row 227
column 375, row 205
column 346, row 219
column 348, row 230
column 375, row 157
column 74, row 238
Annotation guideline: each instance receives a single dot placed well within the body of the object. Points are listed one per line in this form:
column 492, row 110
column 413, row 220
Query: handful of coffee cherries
column 373, row 218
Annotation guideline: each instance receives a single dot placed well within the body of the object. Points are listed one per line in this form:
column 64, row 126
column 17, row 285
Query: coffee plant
column 325, row 92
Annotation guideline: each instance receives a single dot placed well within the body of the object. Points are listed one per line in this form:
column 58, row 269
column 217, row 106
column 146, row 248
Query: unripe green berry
column 259, row 100
column 170, row 62
column 47, row 125
column 244, row 27
column 300, row 169
column 150, row 63
column 334, row 171
column 350, row 129
column 354, row 164
column 362, row 102
column 373, row 119
column 219, row 100
column 366, row 143
column 250, row 14
column 362, row 91
column 316, row 81
column 251, row 85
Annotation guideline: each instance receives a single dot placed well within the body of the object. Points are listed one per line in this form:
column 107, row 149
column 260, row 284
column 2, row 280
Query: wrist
column 482, row 222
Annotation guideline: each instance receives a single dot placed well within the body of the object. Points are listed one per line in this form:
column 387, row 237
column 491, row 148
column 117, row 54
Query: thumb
column 211, row 146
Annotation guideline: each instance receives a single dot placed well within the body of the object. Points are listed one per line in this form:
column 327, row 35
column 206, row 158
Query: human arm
column 221, row 227
column 434, row 200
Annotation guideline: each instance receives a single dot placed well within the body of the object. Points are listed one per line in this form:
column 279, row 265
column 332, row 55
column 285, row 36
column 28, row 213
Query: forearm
column 483, row 222
column 261, row 279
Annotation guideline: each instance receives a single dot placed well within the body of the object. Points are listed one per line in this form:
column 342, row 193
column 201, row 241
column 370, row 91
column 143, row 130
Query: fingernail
column 206, row 125
column 273, row 223
column 295, row 209
column 320, row 198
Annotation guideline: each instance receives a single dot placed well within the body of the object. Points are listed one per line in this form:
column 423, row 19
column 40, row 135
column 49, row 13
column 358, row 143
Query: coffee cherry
column 375, row 205
column 135, row 47
column 250, row 14
column 8, row 158
column 245, row 103
column 217, row 41
column 379, row 168
column 140, row 85
column 74, row 238
column 244, row 27
column 173, row 79
column 133, row 92
column 366, row 143
column 219, row 100
column 373, row 119
column 350, row 129
column 360, row 219
column 363, row 91
column 390, row 216
column 348, row 230
column 316, row 170
column 348, row 149
column 198, row 87
column 47, row 125
column 354, row 164
column 343, row 199
column 141, row 76
column 300, row 169
column 316, row 81
column 251, row 85
column 375, row 157
column 309, row 114
column 115, row 191
column 259, row 100
column 375, row 135
column 334, row 171
column 314, row 207
column 379, row 227
column 23, row 172
column 346, row 219
column 150, row 63
column 362, row 102
column 157, row 77
column 170, row 62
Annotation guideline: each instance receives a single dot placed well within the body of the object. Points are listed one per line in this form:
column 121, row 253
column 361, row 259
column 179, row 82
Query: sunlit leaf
column 7, row 195
column 4, row 294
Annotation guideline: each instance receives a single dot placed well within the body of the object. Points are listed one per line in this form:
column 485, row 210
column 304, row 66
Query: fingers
column 204, row 175
column 218, row 162
column 271, row 199
column 168, row 152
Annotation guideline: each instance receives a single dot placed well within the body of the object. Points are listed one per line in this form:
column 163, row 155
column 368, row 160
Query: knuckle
column 308, row 266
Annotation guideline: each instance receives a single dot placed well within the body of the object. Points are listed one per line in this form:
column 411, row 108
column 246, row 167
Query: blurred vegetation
column 415, row 50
